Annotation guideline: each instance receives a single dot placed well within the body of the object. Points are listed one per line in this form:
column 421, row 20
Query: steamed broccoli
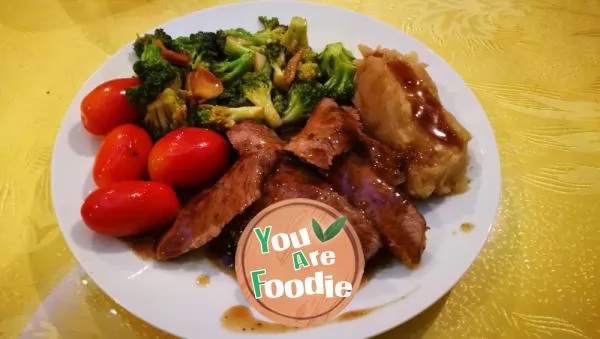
column 338, row 64
column 296, row 35
column 221, row 117
column 280, row 101
column 257, row 87
column 302, row 100
column 202, row 47
column 232, row 96
column 235, row 46
column 272, row 31
column 269, row 23
column 275, row 54
column 155, row 74
column 230, row 70
column 308, row 70
column 159, row 34
column 166, row 113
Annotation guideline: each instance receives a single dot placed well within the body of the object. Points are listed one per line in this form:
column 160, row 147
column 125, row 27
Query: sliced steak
column 292, row 180
column 205, row 216
column 328, row 133
column 250, row 137
column 399, row 222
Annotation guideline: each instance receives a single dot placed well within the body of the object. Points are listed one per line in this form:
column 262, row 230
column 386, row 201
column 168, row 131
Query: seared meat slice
column 387, row 162
column 204, row 217
column 224, row 246
column 250, row 137
column 399, row 222
column 328, row 133
column 292, row 180
column 399, row 105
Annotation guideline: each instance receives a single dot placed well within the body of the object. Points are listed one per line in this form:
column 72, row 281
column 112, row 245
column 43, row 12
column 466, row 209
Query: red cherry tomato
column 189, row 156
column 123, row 155
column 130, row 208
column 106, row 107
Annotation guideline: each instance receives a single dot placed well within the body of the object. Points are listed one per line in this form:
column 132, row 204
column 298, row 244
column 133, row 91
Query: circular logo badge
column 299, row 262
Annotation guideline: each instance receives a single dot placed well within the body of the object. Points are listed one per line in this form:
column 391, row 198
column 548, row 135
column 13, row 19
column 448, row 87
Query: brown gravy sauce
column 427, row 109
column 467, row 227
column 239, row 318
column 143, row 246
column 203, row 280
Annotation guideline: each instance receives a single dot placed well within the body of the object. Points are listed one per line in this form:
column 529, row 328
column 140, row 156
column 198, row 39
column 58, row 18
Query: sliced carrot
column 174, row 57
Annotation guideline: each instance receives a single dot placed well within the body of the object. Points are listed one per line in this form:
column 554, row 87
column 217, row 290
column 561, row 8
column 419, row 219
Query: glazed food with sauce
column 213, row 167
column 398, row 221
column 399, row 105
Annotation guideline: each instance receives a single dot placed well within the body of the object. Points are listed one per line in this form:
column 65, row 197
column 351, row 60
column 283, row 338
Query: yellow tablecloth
column 535, row 66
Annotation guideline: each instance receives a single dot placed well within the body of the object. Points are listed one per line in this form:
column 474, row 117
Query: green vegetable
column 221, row 117
column 202, row 47
column 280, row 101
column 232, row 96
column 272, row 31
column 308, row 70
column 303, row 97
column 296, row 36
column 235, row 47
column 238, row 33
column 159, row 34
column 168, row 112
column 338, row 65
column 155, row 75
column 256, row 87
column 275, row 54
column 269, row 23
column 230, row 70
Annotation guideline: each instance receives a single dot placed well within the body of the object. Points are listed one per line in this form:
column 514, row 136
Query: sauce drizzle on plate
column 467, row 227
column 203, row 280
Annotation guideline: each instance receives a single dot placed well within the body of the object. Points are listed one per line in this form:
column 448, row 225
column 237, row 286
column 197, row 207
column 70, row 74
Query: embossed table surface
column 534, row 65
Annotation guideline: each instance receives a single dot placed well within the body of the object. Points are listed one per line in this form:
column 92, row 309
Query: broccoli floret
column 275, row 54
column 202, row 47
column 221, row 117
column 257, row 87
column 238, row 33
column 235, row 47
column 272, row 31
column 296, row 36
column 269, row 23
column 338, row 64
column 302, row 100
column 232, row 96
column 168, row 112
column 262, row 37
column 308, row 70
column 159, row 34
column 155, row 74
column 280, row 101
column 230, row 70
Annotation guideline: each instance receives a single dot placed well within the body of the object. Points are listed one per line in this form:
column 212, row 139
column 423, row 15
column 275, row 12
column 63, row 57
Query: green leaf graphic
column 335, row 228
column 317, row 229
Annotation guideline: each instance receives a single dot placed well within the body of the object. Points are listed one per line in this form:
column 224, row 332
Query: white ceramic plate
column 166, row 295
